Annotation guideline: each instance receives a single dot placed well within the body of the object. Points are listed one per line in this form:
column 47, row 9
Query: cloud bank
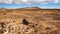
column 27, row 1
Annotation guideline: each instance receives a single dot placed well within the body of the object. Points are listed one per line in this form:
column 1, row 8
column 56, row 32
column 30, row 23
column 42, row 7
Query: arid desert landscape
column 30, row 20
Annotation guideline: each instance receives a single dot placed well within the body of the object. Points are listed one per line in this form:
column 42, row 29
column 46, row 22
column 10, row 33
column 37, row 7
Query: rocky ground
column 30, row 21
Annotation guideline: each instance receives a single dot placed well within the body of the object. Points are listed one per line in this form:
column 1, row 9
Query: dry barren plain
column 29, row 21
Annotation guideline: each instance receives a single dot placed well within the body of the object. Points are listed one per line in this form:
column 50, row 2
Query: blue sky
column 50, row 5
column 29, row 3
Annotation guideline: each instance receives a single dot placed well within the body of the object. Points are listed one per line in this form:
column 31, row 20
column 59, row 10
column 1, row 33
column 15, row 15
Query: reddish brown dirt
column 30, row 21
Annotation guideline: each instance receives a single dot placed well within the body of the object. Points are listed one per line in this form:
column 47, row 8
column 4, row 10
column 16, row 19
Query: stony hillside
column 30, row 21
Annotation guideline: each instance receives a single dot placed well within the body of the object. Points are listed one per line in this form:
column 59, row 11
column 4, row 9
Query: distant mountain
column 30, row 8
column 34, row 8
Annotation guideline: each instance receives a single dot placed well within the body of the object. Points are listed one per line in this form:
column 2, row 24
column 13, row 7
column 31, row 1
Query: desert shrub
column 25, row 22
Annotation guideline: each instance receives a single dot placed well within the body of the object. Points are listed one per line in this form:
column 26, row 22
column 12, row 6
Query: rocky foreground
column 30, row 21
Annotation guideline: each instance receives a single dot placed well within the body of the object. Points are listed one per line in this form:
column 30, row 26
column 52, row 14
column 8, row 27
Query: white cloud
column 56, row 1
column 28, row 1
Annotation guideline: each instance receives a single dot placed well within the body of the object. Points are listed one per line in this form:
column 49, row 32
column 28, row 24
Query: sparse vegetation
column 30, row 21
